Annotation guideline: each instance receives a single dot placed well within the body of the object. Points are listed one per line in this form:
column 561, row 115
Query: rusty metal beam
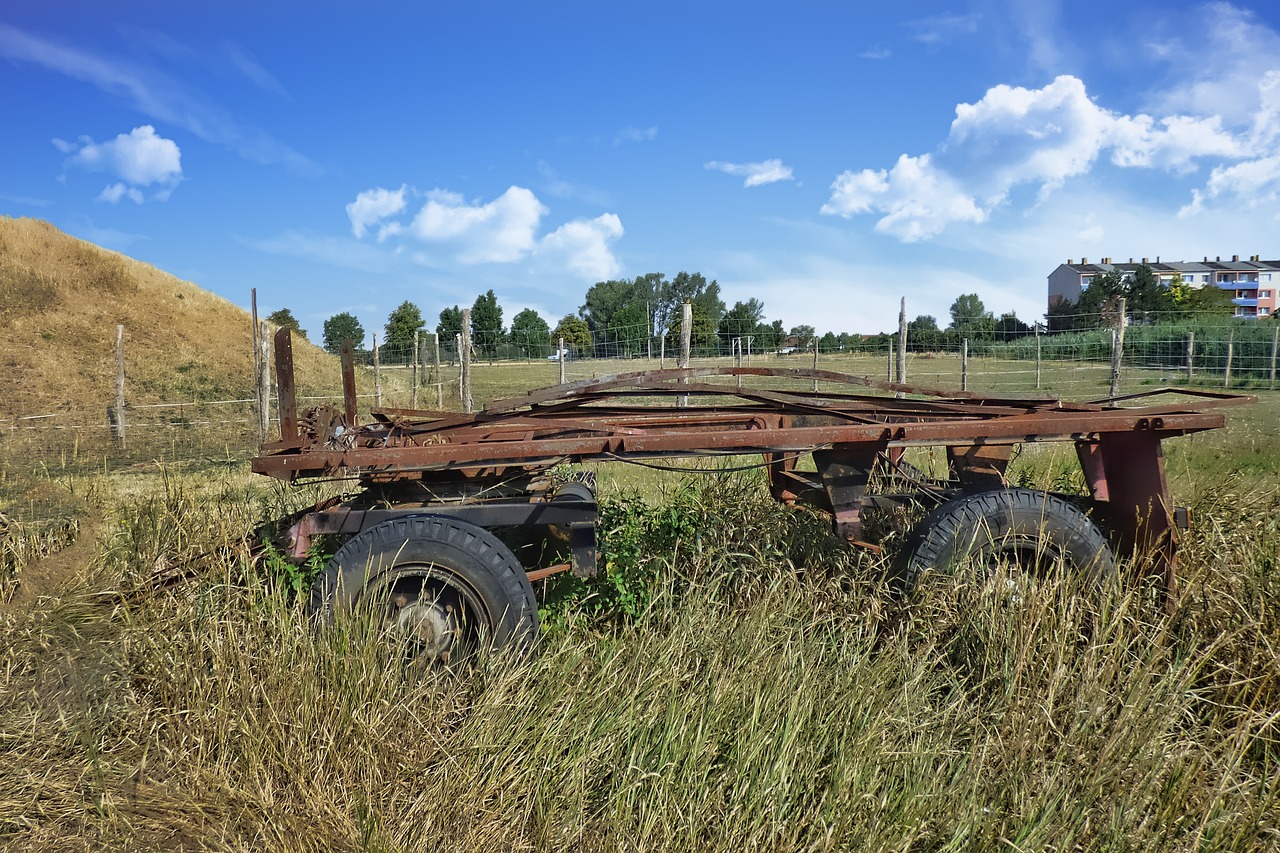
column 285, row 387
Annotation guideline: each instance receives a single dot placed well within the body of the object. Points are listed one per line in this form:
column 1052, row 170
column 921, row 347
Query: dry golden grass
column 60, row 301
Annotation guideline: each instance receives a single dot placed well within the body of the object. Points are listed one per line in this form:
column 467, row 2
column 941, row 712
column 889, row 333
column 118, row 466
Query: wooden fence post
column 686, row 341
column 1117, row 351
column 1191, row 354
column 377, row 374
column 1275, row 344
column 264, row 380
column 964, row 365
column 902, row 344
column 561, row 360
column 413, row 399
column 889, row 371
column 119, row 416
column 1037, row 356
column 815, row 361
column 736, row 344
column 464, row 354
column 1231, row 348
column 435, row 370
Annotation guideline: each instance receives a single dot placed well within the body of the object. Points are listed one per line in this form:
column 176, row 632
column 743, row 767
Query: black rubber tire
column 464, row 563
column 1032, row 528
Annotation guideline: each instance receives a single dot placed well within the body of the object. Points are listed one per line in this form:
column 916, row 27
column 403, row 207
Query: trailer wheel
column 444, row 586
column 1030, row 529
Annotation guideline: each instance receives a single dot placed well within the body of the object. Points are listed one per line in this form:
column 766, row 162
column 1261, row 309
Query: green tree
column 1144, row 294
column 970, row 318
column 1009, row 327
column 486, row 323
column 804, row 334
column 742, row 319
column 342, row 327
column 627, row 332
column 1096, row 299
column 284, row 319
column 1208, row 301
column 1061, row 316
column 771, row 336
column 450, row 325
column 923, row 333
column 576, row 334
column 530, row 333
column 827, row 343
column 401, row 324
column 604, row 299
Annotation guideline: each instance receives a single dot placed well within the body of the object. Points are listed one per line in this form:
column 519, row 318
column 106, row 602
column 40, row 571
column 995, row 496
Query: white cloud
column 114, row 192
column 876, row 52
column 755, row 174
column 154, row 94
column 1217, row 74
column 583, row 247
column 506, row 230
column 937, row 29
column 917, row 199
column 635, row 134
column 500, row 231
column 373, row 206
column 1014, row 136
column 253, row 71
column 140, row 158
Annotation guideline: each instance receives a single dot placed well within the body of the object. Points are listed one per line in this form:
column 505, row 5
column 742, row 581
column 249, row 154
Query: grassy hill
column 60, row 301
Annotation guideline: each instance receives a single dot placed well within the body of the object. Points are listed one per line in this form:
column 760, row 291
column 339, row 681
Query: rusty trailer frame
column 488, row 468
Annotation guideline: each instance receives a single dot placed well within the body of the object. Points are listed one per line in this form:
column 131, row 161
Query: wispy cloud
column 754, row 174
column 559, row 186
column 876, row 52
column 153, row 93
column 140, row 159
column 635, row 134
column 323, row 249
column 27, row 200
column 937, row 29
column 252, row 71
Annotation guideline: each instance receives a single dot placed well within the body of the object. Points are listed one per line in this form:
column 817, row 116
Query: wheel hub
column 430, row 625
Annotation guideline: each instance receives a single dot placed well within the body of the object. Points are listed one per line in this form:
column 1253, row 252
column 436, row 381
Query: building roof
column 1158, row 266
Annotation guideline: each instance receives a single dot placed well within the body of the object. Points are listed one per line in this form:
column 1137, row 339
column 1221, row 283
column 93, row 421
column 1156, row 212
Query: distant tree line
column 642, row 315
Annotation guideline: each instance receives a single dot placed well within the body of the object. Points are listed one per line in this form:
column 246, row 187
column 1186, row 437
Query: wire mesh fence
column 1083, row 364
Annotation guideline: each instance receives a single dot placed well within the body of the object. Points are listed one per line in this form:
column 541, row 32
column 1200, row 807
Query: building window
column 1264, row 311
column 1266, row 276
column 1264, row 294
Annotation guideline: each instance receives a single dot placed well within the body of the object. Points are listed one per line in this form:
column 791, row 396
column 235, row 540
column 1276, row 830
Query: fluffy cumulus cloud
column 1042, row 138
column 754, row 174
column 372, row 207
column 505, row 230
column 500, row 231
column 584, row 247
column 142, row 161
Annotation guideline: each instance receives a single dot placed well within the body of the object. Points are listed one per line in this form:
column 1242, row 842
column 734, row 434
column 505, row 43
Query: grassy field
column 737, row 680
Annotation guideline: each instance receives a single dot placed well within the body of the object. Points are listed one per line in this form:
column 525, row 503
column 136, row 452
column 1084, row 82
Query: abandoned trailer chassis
column 484, row 469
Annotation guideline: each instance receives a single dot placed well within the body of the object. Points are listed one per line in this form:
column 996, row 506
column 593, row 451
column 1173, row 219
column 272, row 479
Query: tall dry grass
column 767, row 696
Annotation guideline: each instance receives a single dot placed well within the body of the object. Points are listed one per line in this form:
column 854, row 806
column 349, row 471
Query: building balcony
column 1246, row 303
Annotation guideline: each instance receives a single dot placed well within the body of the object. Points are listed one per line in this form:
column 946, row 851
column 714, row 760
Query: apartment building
column 1253, row 283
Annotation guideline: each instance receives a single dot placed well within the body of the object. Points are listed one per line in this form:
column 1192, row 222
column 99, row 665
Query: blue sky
column 824, row 157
